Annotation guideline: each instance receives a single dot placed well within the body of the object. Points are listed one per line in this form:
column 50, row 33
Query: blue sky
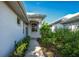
column 52, row 9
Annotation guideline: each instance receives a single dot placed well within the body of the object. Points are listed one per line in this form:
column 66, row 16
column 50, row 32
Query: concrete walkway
column 34, row 49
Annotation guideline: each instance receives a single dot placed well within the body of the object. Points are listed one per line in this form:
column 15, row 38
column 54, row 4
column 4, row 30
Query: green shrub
column 20, row 50
column 65, row 41
column 45, row 34
column 21, row 47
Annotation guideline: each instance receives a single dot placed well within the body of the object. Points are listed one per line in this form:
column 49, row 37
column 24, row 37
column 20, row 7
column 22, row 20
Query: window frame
column 18, row 21
column 34, row 27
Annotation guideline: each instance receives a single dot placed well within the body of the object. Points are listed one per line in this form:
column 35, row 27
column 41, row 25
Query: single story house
column 55, row 25
column 70, row 21
column 13, row 24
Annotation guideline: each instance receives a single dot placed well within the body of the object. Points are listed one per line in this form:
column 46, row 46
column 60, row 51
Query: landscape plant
column 45, row 34
column 21, row 47
column 65, row 41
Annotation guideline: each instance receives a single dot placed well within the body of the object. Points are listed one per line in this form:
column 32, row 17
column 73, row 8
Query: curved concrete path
column 34, row 49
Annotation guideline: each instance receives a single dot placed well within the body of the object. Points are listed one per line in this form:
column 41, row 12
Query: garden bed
column 49, row 51
column 21, row 47
column 65, row 41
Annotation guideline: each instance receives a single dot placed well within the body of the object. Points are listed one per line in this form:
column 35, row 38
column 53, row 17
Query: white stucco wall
column 72, row 26
column 53, row 28
column 10, row 31
column 56, row 26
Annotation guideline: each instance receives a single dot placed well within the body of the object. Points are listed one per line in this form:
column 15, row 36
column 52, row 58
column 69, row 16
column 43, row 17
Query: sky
column 53, row 10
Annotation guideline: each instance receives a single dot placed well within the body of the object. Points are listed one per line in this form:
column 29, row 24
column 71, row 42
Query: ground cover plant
column 21, row 47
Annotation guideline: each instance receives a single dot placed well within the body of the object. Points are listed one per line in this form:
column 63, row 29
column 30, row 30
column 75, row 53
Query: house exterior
column 70, row 21
column 13, row 24
column 55, row 25
column 35, row 21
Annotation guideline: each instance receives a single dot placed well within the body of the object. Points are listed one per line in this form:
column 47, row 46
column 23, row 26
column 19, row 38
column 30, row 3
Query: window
column 78, row 26
column 18, row 20
column 23, row 28
column 34, row 27
column 26, row 31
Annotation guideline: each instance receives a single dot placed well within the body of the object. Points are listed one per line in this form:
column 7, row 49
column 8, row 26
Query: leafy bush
column 45, row 34
column 65, row 41
column 20, row 50
column 21, row 47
